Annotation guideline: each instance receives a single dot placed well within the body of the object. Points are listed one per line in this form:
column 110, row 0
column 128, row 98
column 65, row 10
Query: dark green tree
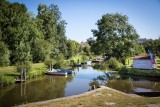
column 74, row 48
column 115, row 36
column 53, row 28
column 4, row 54
column 14, row 27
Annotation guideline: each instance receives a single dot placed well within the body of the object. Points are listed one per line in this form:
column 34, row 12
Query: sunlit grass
column 7, row 69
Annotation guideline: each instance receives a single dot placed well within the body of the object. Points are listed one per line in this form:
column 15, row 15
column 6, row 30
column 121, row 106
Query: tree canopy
column 29, row 37
column 115, row 36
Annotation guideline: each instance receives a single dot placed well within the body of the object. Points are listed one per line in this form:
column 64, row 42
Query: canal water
column 51, row 87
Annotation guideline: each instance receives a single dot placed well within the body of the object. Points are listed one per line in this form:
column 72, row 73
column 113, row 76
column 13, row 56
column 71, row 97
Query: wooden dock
column 19, row 80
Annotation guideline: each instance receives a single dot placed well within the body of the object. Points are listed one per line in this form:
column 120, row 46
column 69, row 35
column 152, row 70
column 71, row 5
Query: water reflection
column 128, row 84
column 50, row 87
column 100, row 67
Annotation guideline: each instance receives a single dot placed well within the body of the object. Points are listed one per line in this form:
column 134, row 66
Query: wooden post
column 25, row 74
column 93, row 87
column 21, row 74
column 50, row 67
column 21, row 90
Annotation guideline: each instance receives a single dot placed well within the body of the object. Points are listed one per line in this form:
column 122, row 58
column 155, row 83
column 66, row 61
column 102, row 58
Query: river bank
column 9, row 74
column 103, row 97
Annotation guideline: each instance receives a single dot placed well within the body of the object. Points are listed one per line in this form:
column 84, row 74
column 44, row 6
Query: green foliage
column 29, row 37
column 49, row 62
column 153, row 45
column 35, row 73
column 139, row 49
column 115, row 36
column 4, row 55
column 87, row 49
column 26, row 65
column 113, row 63
column 53, row 29
column 73, row 48
column 60, row 62
column 6, row 80
column 85, row 58
column 15, row 30
column 41, row 51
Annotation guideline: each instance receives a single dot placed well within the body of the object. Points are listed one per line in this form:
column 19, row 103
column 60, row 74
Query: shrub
column 6, row 80
column 48, row 62
column 26, row 65
column 113, row 63
column 60, row 64
column 123, row 70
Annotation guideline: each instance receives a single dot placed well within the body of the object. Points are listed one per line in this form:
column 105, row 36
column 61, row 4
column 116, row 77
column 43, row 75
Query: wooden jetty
column 77, row 65
column 83, row 62
column 22, row 76
column 19, row 80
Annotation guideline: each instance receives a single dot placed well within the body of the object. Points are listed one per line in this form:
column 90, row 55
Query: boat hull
column 56, row 73
column 67, row 71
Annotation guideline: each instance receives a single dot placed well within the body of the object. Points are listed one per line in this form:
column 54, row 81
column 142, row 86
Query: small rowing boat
column 57, row 73
column 68, row 71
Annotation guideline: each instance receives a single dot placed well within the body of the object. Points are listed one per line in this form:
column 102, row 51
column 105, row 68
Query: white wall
column 142, row 64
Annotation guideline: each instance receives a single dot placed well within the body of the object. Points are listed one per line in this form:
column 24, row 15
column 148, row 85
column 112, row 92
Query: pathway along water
column 51, row 87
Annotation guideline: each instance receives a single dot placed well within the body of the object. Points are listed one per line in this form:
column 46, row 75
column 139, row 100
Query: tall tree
column 53, row 28
column 115, row 36
column 14, row 26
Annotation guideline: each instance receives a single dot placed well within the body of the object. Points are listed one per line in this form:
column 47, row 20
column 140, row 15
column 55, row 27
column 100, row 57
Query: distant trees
column 73, row 48
column 25, row 37
column 115, row 36
column 153, row 45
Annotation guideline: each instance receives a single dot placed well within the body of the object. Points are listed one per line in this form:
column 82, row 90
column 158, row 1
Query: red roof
column 142, row 57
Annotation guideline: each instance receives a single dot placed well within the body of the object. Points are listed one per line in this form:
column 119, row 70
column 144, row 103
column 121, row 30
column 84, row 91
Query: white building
column 143, row 62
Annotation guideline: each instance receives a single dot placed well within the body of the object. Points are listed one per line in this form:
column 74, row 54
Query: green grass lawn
column 9, row 74
column 8, row 69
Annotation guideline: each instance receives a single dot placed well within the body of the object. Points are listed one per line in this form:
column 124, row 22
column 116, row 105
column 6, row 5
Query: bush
column 113, row 63
column 123, row 70
column 85, row 58
column 60, row 64
column 6, row 80
column 26, row 65
column 48, row 62
column 4, row 55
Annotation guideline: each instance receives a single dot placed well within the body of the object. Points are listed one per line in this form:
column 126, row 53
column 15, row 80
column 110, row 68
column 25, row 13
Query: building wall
column 142, row 64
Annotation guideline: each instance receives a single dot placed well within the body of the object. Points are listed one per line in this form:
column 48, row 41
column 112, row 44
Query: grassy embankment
column 9, row 74
column 100, row 98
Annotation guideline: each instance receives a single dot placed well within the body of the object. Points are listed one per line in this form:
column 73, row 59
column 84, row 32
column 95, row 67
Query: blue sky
column 82, row 15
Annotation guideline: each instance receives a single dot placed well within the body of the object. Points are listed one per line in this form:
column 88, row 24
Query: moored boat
column 67, row 71
column 57, row 73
